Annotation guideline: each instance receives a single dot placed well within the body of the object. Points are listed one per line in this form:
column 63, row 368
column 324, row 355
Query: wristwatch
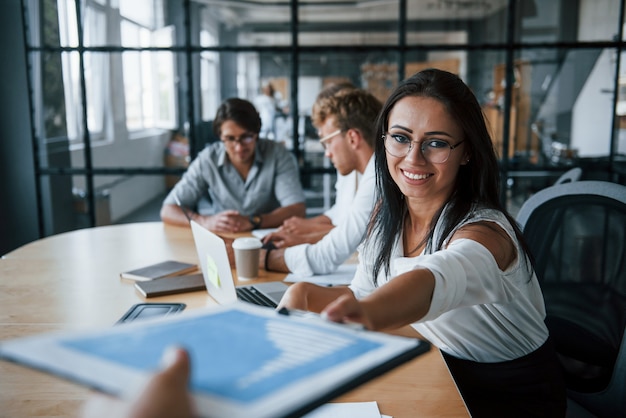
column 255, row 220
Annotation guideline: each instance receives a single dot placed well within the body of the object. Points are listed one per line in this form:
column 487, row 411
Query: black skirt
column 530, row 386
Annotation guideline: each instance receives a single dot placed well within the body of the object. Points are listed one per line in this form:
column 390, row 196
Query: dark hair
column 241, row 111
column 476, row 182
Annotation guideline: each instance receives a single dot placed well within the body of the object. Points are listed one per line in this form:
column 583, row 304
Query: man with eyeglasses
column 239, row 183
column 345, row 121
column 297, row 230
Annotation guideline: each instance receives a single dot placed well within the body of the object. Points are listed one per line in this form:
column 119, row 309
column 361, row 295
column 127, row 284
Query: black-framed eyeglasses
column 244, row 139
column 436, row 151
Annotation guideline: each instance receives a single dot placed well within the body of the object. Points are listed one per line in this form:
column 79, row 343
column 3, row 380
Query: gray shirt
column 211, row 184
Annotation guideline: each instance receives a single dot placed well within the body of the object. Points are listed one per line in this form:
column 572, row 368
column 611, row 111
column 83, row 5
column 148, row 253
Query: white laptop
column 218, row 274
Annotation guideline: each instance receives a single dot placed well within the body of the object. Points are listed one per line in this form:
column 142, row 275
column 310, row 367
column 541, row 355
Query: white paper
column 296, row 360
column 347, row 409
column 260, row 233
column 342, row 276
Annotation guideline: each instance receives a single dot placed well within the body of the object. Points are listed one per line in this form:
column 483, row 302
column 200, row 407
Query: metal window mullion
column 192, row 132
column 34, row 140
column 614, row 119
column 508, row 96
column 91, row 198
column 402, row 40
column 295, row 66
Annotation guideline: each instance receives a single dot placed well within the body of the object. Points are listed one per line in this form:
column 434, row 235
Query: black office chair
column 204, row 136
column 577, row 234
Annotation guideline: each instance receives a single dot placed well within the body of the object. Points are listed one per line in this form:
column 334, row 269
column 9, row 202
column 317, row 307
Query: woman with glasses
column 239, row 183
column 443, row 255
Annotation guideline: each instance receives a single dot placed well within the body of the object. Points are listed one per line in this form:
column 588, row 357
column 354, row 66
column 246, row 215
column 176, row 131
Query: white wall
column 308, row 88
column 127, row 193
column 593, row 111
column 594, row 15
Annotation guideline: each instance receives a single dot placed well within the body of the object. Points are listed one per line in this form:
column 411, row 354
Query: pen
column 306, row 314
column 297, row 312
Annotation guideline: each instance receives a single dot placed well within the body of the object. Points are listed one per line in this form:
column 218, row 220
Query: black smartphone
column 150, row 310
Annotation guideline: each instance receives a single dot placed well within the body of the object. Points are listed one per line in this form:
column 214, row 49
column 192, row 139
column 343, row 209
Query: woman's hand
column 311, row 297
column 346, row 309
column 295, row 297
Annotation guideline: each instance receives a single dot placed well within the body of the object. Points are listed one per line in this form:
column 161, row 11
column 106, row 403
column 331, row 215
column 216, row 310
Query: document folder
column 247, row 361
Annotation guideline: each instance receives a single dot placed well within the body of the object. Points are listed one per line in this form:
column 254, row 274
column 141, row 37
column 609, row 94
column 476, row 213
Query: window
column 94, row 69
column 542, row 70
column 209, row 77
column 148, row 78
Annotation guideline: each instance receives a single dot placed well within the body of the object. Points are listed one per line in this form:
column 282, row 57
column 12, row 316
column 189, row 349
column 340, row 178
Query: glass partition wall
column 123, row 92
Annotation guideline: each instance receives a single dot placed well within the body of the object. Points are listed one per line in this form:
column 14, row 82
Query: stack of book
column 165, row 278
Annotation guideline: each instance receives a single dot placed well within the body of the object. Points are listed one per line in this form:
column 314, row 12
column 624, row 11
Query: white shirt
column 477, row 312
column 345, row 192
column 266, row 106
column 342, row 241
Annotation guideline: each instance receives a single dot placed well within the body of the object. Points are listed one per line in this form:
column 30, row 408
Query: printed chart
column 240, row 363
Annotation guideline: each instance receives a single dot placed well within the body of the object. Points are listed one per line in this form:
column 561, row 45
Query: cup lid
column 247, row 243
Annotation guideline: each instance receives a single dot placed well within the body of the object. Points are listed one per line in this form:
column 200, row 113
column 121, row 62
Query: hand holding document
column 317, row 317
column 247, row 361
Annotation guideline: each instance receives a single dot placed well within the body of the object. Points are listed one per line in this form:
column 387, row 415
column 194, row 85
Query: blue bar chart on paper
column 245, row 360
column 242, row 366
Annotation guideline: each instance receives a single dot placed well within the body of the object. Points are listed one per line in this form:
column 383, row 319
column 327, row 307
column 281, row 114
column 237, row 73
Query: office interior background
column 105, row 102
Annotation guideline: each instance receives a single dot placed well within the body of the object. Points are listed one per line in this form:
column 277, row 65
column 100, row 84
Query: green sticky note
column 212, row 273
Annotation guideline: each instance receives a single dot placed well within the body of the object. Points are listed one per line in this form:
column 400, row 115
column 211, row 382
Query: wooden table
column 71, row 281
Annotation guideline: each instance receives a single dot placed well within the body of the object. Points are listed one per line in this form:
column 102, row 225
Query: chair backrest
column 570, row 175
column 576, row 232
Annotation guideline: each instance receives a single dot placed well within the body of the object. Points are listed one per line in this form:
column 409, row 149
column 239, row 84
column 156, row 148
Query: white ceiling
column 268, row 11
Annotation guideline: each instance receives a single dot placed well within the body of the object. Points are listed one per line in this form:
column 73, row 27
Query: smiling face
column 418, row 119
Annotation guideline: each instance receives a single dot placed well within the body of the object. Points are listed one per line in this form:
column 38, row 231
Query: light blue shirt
column 211, row 184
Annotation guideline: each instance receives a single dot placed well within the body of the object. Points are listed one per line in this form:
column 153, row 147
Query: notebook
column 218, row 276
column 171, row 285
column 159, row 271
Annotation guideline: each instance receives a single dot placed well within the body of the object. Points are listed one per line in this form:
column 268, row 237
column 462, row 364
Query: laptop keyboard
column 252, row 295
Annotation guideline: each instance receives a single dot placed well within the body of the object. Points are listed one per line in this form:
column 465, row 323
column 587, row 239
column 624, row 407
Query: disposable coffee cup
column 247, row 250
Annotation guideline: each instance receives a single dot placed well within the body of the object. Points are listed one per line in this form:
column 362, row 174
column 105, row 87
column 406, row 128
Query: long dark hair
column 476, row 182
